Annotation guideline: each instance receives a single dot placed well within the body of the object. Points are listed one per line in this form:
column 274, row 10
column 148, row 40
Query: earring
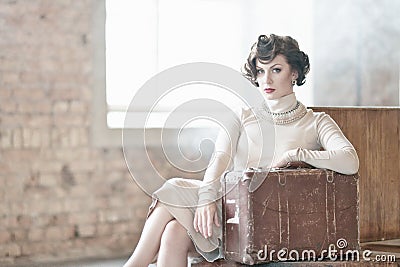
column 293, row 82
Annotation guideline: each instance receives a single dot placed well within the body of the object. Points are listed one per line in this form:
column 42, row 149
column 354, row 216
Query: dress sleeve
column 338, row 155
column 221, row 159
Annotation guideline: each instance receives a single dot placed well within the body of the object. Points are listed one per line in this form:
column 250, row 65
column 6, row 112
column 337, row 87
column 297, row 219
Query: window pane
column 200, row 30
column 131, row 47
column 146, row 37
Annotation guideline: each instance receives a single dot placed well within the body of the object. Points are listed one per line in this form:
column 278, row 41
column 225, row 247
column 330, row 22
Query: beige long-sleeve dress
column 279, row 130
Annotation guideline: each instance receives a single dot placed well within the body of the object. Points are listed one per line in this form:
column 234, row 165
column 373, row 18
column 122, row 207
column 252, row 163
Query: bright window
column 149, row 36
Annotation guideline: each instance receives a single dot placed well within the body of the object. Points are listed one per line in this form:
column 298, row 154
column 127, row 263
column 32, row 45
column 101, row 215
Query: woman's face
column 275, row 78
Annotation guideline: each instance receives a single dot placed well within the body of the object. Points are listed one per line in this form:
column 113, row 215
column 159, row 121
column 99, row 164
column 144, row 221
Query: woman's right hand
column 204, row 218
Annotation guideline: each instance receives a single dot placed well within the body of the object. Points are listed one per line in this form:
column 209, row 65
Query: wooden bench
column 375, row 133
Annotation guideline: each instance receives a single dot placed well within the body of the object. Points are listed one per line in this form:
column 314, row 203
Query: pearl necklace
column 281, row 118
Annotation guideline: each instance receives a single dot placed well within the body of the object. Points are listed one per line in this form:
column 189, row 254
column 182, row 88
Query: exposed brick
column 45, row 220
column 117, row 202
column 70, row 120
column 141, row 212
column 78, row 107
column 84, row 166
column 59, row 137
column 8, row 222
column 76, row 205
column 24, row 221
column 35, row 107
column 60, row 107
column 32, row 77
column 8, row 107
column 40, row 248
column 9, row 78
column 62, row 154
column 32, row 137
column 65, row 94
column 5, row 94
column 5, row 236
column 60, row 197
column 78, row 136
column 46, row 166
column 7, row 64
column 29, row 95
column 13, row 189
column 59, row 233
column 114, row 215
column 10, row 250
column 82, row 218
column 36, row 234
column 121, row 228
column 49, row 179
column 101, row 203
column 104, row 229
column 17, row 207
column 44, row 207
column 19, row 234
column 117, row 164
column 6, row 138
column 84, row 178
column 86, row 230
column 7, row 261
column 39, row 121
column 17, row 138
column 45, row 140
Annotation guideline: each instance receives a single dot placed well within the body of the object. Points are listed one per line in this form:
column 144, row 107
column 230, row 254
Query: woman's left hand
column 204, row 218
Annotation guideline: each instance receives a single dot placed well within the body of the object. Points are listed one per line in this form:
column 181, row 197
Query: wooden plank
column 374, row 132
column 391, row 246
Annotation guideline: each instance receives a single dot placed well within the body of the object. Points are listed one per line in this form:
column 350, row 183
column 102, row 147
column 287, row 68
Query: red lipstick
column 269, row 90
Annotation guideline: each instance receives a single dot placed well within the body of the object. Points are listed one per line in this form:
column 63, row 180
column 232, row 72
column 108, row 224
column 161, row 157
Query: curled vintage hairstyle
column 268, row 47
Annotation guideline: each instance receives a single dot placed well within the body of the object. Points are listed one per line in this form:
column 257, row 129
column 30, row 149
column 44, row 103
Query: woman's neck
column 282, row 104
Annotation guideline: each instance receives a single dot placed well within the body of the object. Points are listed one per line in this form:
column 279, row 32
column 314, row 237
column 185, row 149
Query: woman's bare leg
column 175, row 245
column 149, row 242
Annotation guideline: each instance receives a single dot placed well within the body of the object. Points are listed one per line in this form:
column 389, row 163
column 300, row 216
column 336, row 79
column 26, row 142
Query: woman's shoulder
column 242, row 112
column 320, row 117
column 248, row 114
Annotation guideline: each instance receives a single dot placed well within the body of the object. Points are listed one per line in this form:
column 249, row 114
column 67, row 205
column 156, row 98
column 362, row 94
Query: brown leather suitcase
column 291, row 214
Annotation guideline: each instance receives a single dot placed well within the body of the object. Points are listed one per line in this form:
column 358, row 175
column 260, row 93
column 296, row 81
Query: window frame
column 101, row 135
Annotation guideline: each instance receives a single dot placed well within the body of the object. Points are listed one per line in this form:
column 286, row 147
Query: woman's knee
column 175, row 236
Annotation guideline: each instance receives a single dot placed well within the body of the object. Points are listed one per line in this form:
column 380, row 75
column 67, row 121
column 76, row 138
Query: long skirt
column 180, row 197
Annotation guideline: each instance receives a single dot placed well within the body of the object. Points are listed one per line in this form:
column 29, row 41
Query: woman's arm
column 339, row 154
column 221, row 161
column 222, row 158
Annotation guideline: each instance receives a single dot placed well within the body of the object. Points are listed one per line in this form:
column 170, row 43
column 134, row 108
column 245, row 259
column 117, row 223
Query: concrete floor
column 83, row 263
column 79, row 263
column 93, row 263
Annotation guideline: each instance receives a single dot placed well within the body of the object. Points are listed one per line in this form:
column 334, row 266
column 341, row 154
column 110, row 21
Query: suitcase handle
column 281, row 181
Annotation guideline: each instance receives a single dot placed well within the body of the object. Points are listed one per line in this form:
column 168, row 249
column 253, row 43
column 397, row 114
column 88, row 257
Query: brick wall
column 60, row 198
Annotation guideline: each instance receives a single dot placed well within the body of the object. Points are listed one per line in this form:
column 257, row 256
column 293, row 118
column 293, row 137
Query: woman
column 275, row 65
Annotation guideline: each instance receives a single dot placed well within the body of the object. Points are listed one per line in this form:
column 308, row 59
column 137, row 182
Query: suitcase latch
column 329, row 176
